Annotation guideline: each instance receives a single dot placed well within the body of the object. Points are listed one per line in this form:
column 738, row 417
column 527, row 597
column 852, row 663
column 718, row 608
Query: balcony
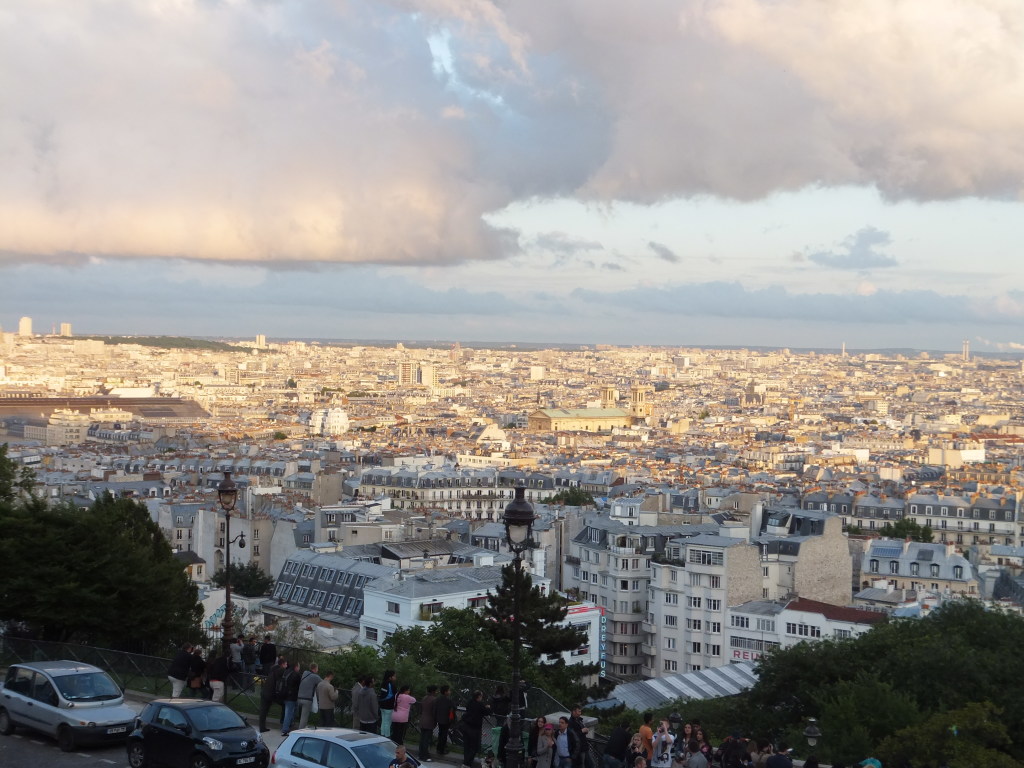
column 648, row 649
column 625, row 550
column 648, row 626
column 572, row 560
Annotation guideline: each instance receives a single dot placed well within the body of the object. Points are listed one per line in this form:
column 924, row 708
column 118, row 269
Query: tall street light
column 227, row 494
column 518, row 521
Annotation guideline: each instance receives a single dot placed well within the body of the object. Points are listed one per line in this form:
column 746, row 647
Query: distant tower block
column 639, row 408
column 607, row 397
column 844, row 349
column 65, row 329
column 25, row 326
column 966, row 354
column 261, row 341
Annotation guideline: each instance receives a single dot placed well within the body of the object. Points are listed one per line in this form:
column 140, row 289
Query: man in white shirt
column 662, row 741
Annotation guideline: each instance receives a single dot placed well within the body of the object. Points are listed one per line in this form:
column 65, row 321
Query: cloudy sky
column 772, row 172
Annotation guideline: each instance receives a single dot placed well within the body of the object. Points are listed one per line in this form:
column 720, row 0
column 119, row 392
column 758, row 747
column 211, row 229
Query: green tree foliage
column 572, row 497
column 170, row 342
column 247, row 580
column 104, row 576
column 479, row 644
column 967, row 737
column 15, row 481
column 907, row 528
column 279, row 435
column 897, row 678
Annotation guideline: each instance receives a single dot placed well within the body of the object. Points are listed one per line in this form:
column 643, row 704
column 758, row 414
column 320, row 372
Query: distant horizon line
column 532, row 345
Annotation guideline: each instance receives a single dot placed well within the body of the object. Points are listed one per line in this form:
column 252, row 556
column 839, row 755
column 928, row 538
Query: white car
column 73, row 702
column 336, row 748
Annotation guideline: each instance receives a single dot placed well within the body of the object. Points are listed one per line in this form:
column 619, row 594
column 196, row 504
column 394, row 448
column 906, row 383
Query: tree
column 573, row 497
column 247, row 580
column 102, row 576
column 907, row 528
column 961, row 738
column 15, row 481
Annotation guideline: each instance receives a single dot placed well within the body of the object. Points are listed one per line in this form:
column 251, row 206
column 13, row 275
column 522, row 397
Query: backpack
column 281, row 689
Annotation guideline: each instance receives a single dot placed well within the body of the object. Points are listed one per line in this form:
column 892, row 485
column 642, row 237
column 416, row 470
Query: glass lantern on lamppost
column 812, row 732
column 227, row 495
column 518, row 520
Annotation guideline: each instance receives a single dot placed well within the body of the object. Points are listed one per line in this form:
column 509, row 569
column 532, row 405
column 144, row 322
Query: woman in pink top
column 400, row 717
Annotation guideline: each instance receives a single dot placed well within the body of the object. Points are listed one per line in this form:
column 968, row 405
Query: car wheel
column 137, row 755
column 65, row 739
column 6, row 724
column 200, row 761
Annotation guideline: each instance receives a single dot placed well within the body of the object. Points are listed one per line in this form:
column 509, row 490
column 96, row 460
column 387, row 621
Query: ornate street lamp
column 812, row 732
column 518, row 521
column 227, row 495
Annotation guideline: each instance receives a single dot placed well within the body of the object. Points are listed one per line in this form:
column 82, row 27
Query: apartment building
column 913, row 565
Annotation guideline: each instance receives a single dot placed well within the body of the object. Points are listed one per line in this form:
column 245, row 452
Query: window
column 695, row 579
column 670, row 620
column 300, row 594
column 716, row 582
column 894, row 567
column 873, row 566
column 958, row 571
column 694, row 647
column 371, row 633
column 915, row 569
column 714, row 605
column 715, row 627
column 803, row 630
column 623, row 583
column 706, row 557
column 694, row 624
column 671, row 665
column 843, row 634
column 392, row 607
column 670, row 643
column 714, row 650
column 934, row 569
column 671, row 598
column 694, row 602
column 742, row 622
column 766, row 625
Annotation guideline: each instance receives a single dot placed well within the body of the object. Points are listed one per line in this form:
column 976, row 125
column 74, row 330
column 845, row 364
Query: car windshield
column 87, row 686
column 210, row 719
column 376, row 754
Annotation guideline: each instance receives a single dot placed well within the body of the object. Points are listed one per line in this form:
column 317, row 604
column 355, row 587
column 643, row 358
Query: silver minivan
column 71, row 701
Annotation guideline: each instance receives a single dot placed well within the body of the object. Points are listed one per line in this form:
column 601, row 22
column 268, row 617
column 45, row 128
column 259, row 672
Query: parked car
column 194, row 733
column 73, row 702
column 336, row 748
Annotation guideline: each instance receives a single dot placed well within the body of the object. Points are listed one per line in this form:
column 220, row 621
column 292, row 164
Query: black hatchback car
column 193, row 733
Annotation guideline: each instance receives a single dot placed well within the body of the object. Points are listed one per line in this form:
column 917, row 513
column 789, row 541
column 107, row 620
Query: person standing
column 268, row 656
column 353, row 695
column 694, row 757
column 615, row 750
column 472, row 726
column 249, row 656
column 428, row 720
column 400, row 717
column 567, row 745
column 444, row 715
column 647, row 735
column 327, row 699
column 235, row 661
column 308, row 682
column 268, row 693
column 196, row 672
column 663, row 740
column 386, row 700
column 291, row 697
column 217, row 675
column 545, row 748
column 576, row 723
column 177, row 672
column 365, row 707
column 781, row 758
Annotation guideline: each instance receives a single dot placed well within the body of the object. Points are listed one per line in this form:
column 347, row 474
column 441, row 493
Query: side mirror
column 183, row 727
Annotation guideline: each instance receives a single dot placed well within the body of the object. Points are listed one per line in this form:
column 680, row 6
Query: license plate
column 118, row 729
column 244, row 760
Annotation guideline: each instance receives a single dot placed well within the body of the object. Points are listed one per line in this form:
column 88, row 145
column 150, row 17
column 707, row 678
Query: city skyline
column 789, row 174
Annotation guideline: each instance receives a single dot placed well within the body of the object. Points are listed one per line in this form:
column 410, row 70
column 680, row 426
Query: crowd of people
column 387, row 708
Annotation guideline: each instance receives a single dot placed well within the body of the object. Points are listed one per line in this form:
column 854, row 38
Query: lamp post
column 227, row 495
column 812, row 732
column 518, row 521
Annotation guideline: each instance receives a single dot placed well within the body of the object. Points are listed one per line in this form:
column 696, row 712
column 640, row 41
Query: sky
column 668, row 172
